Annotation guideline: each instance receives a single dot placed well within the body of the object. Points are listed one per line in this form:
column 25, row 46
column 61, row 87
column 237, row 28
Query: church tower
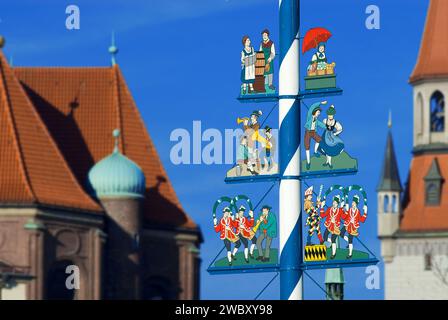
column 119, row 184
column 430, row 83
column 389, row 198
column 414, row 230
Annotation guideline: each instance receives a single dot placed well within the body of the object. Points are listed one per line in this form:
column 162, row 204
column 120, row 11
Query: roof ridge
column 50, row 140
column 117, row 100
column 13, row 128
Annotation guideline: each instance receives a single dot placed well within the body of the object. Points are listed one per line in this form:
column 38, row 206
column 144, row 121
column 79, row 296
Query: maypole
column 320, row 82
column 291, row 255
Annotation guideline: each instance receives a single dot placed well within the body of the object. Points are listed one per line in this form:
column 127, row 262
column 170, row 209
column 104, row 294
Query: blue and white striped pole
column 291, row 255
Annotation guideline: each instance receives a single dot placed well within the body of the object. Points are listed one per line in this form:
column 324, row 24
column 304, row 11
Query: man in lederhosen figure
column 312, row 124
column 268, row 48
column 252, row 131
column 268, row 231
column 268, row 150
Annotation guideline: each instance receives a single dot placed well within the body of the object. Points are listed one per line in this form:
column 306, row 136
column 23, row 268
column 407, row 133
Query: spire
column 113, row 50
column 389, row 122
column 390, row 177
column 431, row 61
column 116, row 135
column 2, row 42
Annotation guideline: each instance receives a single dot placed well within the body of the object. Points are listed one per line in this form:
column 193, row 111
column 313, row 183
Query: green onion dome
column 117, row 176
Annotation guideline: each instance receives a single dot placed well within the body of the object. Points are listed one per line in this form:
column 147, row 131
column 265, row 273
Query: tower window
column 419, row 115
column 428, row 262
column 437, row 105
column 432, row 194
column 386, row 203
column 394, row 204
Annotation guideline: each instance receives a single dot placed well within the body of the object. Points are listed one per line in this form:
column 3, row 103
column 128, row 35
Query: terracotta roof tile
column 32, row 169
column 81, row 107
column 431, row 61
column 416, row 215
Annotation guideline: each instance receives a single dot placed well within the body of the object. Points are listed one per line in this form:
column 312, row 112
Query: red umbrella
column 313, row 37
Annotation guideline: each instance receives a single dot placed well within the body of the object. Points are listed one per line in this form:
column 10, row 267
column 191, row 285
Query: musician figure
column 267, row 151
column 313, row 219
column 245, row 232
column 332, row 222
column 252, row 131
column 225, row 228
column 268, row 231
column 352, row 217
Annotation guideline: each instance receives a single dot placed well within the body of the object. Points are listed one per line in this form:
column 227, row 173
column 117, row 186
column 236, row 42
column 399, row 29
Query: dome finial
column 389, row 122
column 116, row 135
column 113, row 50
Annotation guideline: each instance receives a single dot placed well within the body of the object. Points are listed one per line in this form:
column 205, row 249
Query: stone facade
column 414, row 271
column 41, row 243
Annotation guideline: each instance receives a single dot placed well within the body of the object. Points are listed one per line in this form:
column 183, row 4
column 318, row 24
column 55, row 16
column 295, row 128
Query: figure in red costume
column 332, row 222
column 225, row 228
column 352, row 217
column 245, row 233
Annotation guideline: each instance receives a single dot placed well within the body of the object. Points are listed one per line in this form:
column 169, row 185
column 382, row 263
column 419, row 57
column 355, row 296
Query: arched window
column 386, row 204
column 419, row 114
column 394, row 204
column 437, row 107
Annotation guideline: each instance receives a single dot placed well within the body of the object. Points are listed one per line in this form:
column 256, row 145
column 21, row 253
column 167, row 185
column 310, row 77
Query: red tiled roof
column 433, row 53
column 32, row 169
column 81, row 107
column 417, row 216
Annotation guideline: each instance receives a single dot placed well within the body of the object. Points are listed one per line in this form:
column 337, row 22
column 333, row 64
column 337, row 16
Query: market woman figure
column 319, row 59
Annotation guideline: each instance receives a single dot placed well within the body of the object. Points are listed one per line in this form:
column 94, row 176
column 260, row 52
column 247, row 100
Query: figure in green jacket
column 268, row 231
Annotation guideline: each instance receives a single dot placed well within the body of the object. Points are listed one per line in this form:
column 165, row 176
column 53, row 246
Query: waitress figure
column 248, row 58
column 319, row 59
column 331, row 145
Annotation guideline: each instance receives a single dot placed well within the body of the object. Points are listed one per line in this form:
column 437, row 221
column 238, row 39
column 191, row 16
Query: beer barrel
column 260, row 64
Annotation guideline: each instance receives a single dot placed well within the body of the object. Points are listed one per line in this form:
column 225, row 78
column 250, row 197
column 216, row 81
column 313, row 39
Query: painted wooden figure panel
column 257, row 67
column 247, row 236
column 341, row 219
column 329, row 155
column 255, row 154
column 320, row 72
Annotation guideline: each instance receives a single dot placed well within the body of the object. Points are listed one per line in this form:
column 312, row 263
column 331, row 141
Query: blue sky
column 168, row 54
